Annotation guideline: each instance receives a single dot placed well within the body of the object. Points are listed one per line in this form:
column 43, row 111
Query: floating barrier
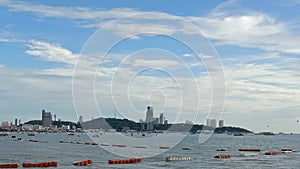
column 186, row 148
column 125, row 161
column 179, row 158
column 9, row 165
column 35, row 141
column 83, row 163
column 119, row 145
column 164, row 147
column 271, row 153
column 250, row 154
column 286, row 150
column 104, row 144
column 222, row 156
column 222, row 149
column 249, row 149
column 40, row 165
column 139, row 146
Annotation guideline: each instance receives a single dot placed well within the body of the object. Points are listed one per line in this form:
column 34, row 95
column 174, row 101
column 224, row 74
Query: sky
column 191, row 60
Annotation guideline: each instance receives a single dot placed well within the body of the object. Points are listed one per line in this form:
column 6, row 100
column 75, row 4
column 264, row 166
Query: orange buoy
column 83, row 163
column 271, row 153
column 89, row 161
column 40, row 165
column 125, row 161
column 9, row 166
column 223, row 156
column 249, row 149
column 164, row 147
column 139, row 146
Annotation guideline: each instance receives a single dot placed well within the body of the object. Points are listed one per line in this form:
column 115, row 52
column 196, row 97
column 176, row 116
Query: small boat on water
column 286, row 150
column 238, row 134
column 31, row 134
column 266, row 133
column 222, row 149
column 186, row 148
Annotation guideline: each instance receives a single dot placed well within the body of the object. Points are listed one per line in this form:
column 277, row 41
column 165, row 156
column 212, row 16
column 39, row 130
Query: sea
column 66, row 149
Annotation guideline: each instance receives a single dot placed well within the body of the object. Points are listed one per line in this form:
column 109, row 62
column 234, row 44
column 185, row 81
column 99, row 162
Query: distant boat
column 267, row 133
column 3, row 134
column 30, row 134
column 239, row 134
column 186, row 148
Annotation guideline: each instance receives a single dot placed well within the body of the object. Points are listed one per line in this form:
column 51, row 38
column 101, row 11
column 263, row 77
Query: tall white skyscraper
column 149, row 114
column 221, row 123
column 213, row 123
column 208, row 122
column 149, row 118
column 161, row 118
column 80, row 120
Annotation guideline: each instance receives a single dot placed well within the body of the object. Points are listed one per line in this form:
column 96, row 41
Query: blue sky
column 257, row 43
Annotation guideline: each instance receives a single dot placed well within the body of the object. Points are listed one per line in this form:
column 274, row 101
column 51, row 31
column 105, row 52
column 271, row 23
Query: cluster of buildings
column 213, row 123
column 150, row 121
column 46, row 125
column 11, row 126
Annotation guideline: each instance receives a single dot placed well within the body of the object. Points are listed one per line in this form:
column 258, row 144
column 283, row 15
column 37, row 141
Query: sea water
column 50, row 149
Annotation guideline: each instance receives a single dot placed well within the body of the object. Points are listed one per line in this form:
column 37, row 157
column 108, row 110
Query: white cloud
column 155, row 63
column 51, row 52
column 205, row 56
column 251, row 29
column 187, row 55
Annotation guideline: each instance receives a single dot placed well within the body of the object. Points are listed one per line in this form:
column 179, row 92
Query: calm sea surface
column 49, row 149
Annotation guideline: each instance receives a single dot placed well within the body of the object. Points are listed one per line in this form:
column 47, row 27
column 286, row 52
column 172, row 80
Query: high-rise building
column 208, row 122
column 46, row 119
column 149, row 118
column 213, row 123
column 80, row 119
column 16, row 122
column 166, row 122
column 221, row 123
column 161, row 118
column 6, row 124
column 149, row 114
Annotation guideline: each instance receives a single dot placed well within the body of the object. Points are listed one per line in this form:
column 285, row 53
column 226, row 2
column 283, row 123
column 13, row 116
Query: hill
column 56, row 123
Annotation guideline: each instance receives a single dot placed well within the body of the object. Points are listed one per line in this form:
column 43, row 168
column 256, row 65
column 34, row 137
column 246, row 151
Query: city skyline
column 258, row 47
